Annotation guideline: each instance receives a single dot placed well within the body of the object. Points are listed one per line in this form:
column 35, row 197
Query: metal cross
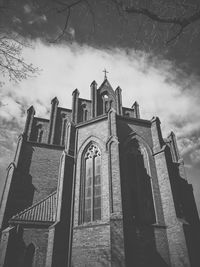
column 105, row 72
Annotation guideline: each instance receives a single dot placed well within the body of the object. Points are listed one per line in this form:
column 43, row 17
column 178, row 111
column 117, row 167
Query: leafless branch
column 182, row 21
column 12, row 63
column 181, row 13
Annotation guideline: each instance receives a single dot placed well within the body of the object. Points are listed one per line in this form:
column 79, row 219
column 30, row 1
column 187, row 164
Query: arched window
column 85, row 115
column 29, row 255
column 39, row 133
column 63, row 130
column 139, row 179
column 90, row 201
column 105, row 100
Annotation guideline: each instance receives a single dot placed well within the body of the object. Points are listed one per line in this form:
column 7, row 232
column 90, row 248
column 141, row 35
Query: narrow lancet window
column 97, row 189
column 88, row 190
column 63, row 131
column 91, row 186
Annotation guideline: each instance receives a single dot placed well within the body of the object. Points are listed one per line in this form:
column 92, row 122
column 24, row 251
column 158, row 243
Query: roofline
column 33, row 223
column 37, row 203
column 98, row 118
column 135, row 120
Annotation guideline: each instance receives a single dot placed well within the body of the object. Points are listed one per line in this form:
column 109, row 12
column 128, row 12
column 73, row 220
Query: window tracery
column 90, row 206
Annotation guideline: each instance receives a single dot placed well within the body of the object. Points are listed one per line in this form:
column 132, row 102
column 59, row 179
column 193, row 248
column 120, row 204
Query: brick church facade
column 94, row 186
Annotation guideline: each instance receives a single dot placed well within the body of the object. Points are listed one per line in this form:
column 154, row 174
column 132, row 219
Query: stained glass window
column 91, row 191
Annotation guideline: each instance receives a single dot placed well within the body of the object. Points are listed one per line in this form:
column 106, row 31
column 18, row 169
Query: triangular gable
column 41, row 212
column 106, row 97
column 105, row 86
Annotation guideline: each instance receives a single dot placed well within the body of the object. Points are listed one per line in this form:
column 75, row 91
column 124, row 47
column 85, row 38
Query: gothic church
column 97, row 186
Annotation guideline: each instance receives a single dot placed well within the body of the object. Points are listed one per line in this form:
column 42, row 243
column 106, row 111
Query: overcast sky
column 165, row 82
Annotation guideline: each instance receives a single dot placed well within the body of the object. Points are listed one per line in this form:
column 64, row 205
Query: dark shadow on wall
column 138, row 234
column 29, row 255
column 18, row 253
column 21, row 189
column 138, row 210
column 186, row 209
column 141, row 244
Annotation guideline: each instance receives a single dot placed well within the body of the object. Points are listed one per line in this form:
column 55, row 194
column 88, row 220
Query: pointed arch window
column 90, row 206
column 39, row 133
column 63, row 131
column 29, row 255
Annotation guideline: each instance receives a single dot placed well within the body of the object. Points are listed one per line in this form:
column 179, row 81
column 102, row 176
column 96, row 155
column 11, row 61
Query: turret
column 174, row 147
column 135, row 106
column 29, row 122
column 52, row 123
column 118, row 93
column 75, row 96
column 93, row 90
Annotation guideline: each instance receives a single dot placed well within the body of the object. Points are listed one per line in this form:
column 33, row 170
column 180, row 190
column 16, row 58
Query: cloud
column 71, row 32
column 33, row 17
column 157, row 85
column 195, row 155
column 38, row 19
column 16, row 20
column 27, row 9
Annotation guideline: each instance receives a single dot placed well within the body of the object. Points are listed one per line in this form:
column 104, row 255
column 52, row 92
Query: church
column 97, row 186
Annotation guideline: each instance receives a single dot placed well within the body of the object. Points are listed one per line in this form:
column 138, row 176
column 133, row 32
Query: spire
column 55, row 101
column 31, row 110
column 75, row 97
column 118, row 93
column 135, row 106
column 52, row 123
column 29, row 121
column 94, row 83
column 105, row 74
column 76, row 92
column 93, row 91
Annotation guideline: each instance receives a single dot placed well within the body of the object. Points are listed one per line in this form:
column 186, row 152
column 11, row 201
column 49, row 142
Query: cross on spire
column 105, row 72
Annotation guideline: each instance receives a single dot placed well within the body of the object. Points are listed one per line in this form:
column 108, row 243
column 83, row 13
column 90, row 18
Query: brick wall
column 41, row 165
column 39, row 238
column 91, row 246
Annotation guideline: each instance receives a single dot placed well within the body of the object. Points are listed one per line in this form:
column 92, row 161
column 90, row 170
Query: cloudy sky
column 165, row 80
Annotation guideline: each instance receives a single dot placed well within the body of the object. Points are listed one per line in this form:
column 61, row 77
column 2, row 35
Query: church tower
column 94, row 186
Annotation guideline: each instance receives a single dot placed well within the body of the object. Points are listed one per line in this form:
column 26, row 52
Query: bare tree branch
column 174, row 12
column 12, row 63
column 183, row 22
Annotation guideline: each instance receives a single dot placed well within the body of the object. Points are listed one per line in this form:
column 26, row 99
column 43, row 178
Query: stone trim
column 50, row 146
column 135, row 120
column 99, row 118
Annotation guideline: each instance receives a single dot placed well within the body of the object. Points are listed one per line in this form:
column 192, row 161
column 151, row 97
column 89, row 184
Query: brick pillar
column 93, row 90
column 50, row 246
column 174, row 147
column 135, row 106
column 70, row 138
column 29, row 122
column 60, row 232
column 156, row 134
column 116, row 219
column 75, row 96
column 175, row 154
column 118, row 93
column 52, row 123
column 7, row 247
column 5, row 195
column 174, row 229
column 20, row 142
